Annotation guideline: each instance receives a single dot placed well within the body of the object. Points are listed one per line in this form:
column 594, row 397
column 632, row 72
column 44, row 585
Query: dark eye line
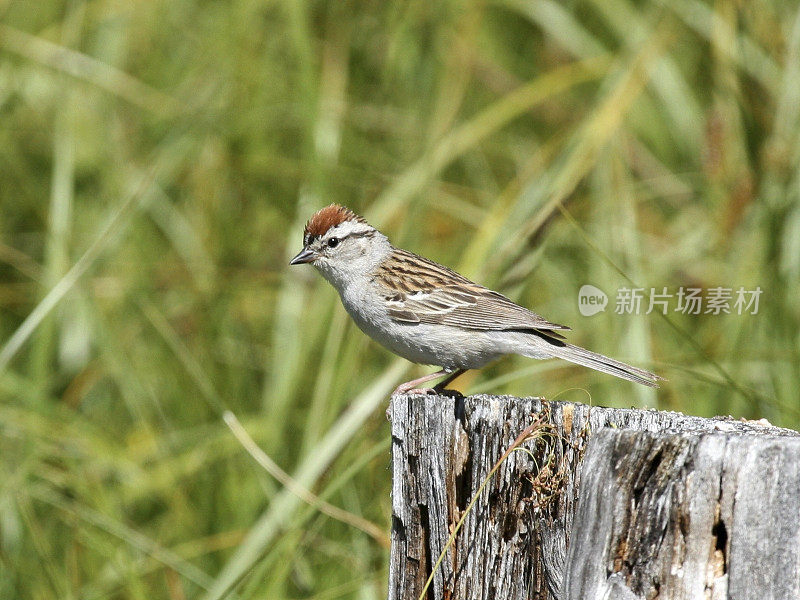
column 338, row 240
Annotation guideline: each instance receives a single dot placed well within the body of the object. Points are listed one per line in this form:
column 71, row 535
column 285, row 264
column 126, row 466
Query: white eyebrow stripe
column 349, row 228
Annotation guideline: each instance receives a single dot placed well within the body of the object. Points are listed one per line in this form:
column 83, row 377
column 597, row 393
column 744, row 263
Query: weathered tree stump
column 598, row 503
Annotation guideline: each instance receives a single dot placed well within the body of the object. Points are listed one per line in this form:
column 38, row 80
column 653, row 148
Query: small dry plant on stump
column 547, row 482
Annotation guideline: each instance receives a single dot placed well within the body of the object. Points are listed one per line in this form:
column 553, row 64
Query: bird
column 428, row 313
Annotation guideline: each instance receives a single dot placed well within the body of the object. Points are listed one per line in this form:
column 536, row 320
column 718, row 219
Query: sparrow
column 430, row 314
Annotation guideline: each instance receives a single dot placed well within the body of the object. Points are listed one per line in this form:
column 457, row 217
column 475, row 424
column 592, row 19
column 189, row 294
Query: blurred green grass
column 158, row 160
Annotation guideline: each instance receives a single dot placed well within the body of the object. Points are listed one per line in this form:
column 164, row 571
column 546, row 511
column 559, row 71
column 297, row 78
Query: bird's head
column 341, row 245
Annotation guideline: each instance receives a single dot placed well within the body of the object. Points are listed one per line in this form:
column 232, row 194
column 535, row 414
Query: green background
column 158, row 160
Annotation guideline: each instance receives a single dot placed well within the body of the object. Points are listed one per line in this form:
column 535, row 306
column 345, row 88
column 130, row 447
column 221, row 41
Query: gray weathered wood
column 688, row 515
column 649, row 504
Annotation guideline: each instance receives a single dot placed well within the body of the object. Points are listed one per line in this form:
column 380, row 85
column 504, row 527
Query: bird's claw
column 434, row 391
column 421, row 392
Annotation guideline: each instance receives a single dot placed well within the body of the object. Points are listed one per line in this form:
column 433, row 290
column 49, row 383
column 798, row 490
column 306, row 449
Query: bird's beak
column 304, row 256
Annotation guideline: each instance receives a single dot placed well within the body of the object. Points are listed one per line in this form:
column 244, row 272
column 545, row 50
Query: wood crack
column 614, row 503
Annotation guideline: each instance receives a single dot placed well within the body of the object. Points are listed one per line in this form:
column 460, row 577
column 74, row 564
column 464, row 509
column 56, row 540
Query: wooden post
column 598, row 503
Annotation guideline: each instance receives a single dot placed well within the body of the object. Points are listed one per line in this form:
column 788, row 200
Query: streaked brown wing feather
column 422, row 291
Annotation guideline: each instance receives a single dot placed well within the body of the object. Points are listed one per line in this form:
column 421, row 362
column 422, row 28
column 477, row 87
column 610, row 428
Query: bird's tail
column 596, row 361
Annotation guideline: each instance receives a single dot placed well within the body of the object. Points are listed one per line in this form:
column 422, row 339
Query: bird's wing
column 421, row 291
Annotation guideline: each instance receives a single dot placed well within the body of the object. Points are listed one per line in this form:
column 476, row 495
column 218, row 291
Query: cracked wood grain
column 650, row 504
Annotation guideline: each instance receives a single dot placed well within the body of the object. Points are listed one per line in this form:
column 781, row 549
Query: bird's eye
column 333, row 242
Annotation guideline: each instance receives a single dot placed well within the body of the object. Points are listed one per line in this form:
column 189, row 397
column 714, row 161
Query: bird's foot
column 410, row 387
column 414, row 391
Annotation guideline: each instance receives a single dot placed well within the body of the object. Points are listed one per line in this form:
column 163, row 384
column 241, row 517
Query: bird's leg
column 408, row 386
column 440, row 387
